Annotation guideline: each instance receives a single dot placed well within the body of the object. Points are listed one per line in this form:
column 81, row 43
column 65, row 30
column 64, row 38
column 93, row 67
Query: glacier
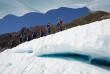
column 74, row 50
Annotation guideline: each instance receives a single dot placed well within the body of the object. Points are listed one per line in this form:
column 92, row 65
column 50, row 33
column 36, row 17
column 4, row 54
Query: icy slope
column 92, row 40
column 26, row 63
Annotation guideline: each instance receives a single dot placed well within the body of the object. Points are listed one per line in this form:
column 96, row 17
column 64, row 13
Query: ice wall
column 91, row 39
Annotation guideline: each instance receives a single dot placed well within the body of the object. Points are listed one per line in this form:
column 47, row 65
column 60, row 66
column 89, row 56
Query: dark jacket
column 24, row 39
column 12, row 43
column 33, row 35
column 20, row 40
column 41, row 33
column 28, row 38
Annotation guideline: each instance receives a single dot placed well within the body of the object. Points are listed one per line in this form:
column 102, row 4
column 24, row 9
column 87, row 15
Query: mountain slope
column 92, row 17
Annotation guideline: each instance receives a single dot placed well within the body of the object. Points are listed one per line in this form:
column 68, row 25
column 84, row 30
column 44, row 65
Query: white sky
column 21, row 7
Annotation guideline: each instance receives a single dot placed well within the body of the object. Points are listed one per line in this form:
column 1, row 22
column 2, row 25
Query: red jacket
column 60, row 22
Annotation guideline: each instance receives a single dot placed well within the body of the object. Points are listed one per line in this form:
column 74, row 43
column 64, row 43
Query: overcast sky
column 21, row 7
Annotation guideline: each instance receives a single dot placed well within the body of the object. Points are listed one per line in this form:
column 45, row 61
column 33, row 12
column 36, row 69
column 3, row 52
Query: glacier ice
column 91, row 40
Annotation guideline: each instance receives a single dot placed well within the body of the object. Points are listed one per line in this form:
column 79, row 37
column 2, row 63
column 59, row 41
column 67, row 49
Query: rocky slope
column 5, row 39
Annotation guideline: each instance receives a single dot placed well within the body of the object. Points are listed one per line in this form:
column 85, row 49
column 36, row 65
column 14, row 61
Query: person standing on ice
column 24, row 38
column 48, row 29
column 12, row 43
column 41, row 33
column 59, row 24
column 28, row 37
column 61, row 21
column 33, row 35
column 20, row 40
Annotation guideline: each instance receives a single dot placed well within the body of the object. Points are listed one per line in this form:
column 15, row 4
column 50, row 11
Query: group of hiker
column 24, row 39
column 28, row 38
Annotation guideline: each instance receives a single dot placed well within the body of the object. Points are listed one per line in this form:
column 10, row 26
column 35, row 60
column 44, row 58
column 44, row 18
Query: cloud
column 103, row 5
column 21, row 7
column 13, row 7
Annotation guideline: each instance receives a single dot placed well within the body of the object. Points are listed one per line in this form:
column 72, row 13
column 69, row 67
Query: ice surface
column 91, row 39
column 26, row 63
column 52, row 54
